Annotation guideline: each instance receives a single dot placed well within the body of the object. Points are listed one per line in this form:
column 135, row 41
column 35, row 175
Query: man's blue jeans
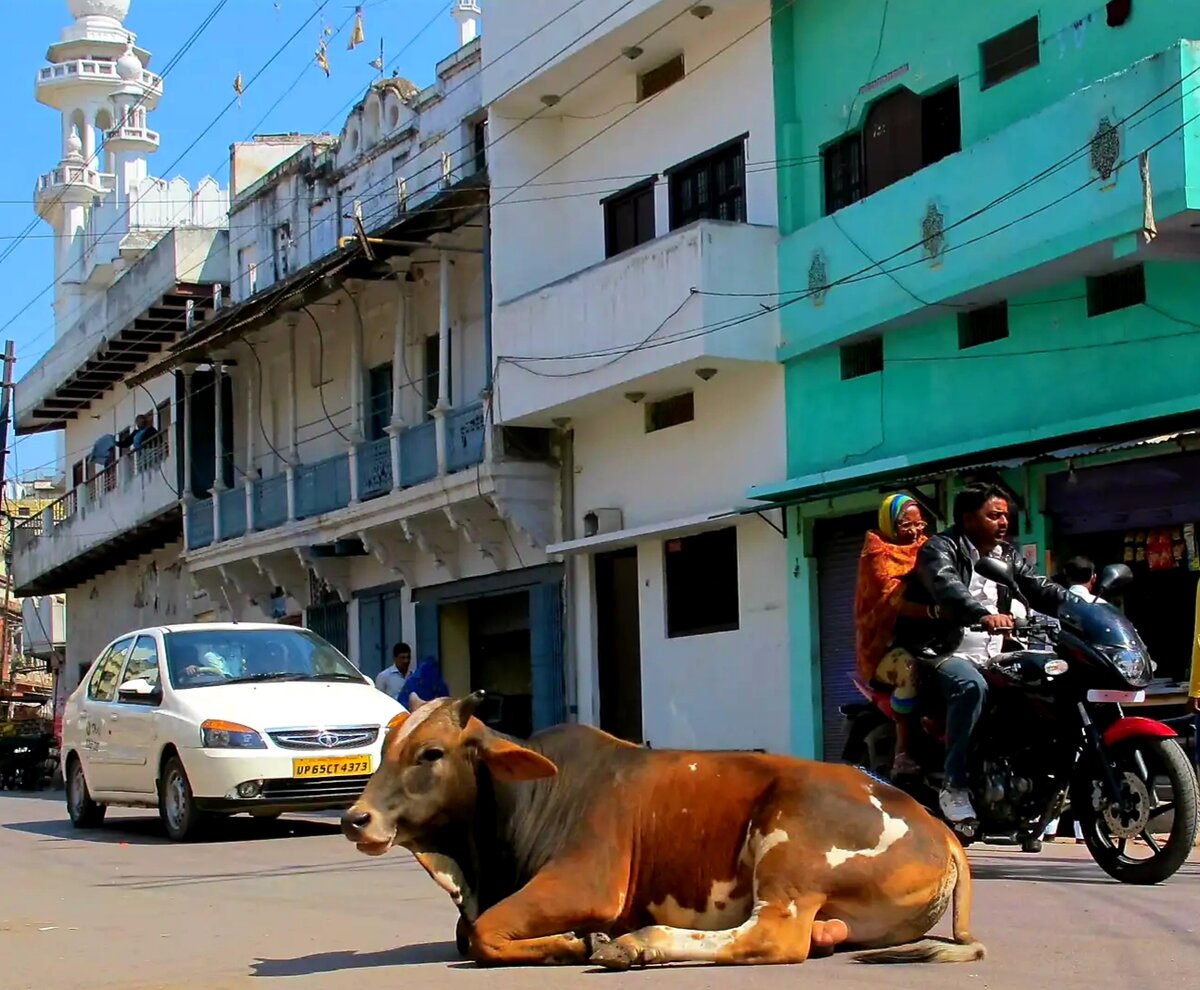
column 964, row 691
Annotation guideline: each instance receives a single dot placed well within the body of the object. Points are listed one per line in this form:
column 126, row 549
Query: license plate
column 1116, row 697
column 332, row 766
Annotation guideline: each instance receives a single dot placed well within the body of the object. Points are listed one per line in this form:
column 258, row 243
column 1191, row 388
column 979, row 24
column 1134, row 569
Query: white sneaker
column 956, row 804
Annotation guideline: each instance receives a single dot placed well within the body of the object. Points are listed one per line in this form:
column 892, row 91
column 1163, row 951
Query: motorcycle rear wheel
column 1163, row 758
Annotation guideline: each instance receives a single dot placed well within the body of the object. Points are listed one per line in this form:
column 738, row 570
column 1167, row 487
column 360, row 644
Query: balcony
column 71, row 183
column 1052, row 197
column 111, row 518
column 648, row 318
column 63, row 78
column 460, row 485
column 324, row 487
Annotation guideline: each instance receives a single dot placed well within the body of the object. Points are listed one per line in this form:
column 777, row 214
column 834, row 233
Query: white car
column 210, row 719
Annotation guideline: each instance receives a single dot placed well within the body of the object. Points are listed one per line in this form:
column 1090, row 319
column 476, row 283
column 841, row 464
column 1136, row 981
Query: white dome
column 129, row 66
column 74, row 146
column 118, row 9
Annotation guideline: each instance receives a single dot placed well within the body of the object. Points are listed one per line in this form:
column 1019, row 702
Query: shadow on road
column 1044, row 869
column 149, row 831
column 424, row 954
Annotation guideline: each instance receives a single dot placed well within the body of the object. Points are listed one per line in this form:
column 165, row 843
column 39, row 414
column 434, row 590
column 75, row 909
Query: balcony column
column 357, row 433
column 442, row 407
column 395, row 429
column 252, row 422
column 188, row 494
column 293, row 421
column 218, row 484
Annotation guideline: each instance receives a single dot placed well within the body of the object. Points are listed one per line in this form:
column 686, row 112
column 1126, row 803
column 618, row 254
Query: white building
column 137, row 261
column 632, row 161
column 358, row 483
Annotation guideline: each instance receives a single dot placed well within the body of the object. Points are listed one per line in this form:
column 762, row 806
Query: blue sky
column 243, row 37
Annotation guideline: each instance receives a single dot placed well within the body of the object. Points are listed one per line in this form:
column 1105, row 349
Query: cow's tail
column 964, row 947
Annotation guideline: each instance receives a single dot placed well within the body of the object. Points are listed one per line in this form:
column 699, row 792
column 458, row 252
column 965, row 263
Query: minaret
column 467, row 13
column 98, row 80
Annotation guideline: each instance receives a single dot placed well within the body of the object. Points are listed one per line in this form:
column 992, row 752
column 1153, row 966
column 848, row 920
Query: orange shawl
column 878, row 597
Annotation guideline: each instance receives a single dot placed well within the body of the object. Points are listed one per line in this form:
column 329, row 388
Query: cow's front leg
column 777, row 931
column 549, row 920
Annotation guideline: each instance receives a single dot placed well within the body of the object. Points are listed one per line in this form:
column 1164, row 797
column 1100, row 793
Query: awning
column 909, row 471
column 681, row 526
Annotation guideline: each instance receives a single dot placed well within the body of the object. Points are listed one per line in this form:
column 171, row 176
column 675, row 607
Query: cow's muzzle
column 363, row 826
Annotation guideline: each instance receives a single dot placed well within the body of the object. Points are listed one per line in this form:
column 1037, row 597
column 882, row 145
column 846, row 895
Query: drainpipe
column 487, row 303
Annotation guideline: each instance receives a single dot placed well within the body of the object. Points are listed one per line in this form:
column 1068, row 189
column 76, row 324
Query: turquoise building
column 989, row 268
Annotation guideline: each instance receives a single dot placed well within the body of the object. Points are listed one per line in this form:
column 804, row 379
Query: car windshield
column 210, row 657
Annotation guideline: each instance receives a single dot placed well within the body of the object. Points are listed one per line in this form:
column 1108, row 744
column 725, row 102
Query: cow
column 576, row 846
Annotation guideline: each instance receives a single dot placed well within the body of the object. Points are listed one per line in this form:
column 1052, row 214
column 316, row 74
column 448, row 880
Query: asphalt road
column 292, row 905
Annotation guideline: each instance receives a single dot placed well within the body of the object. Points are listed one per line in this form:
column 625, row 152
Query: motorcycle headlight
column 1131, row 664
column 215, row 734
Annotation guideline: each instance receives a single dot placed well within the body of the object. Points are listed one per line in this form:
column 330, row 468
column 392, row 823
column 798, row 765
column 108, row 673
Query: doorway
column 618, row 643
column 499, row 644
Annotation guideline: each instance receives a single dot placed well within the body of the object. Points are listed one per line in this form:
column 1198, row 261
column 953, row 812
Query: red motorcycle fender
column 1132, row 725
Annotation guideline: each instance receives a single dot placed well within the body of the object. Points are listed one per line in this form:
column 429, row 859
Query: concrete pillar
column 395, row 429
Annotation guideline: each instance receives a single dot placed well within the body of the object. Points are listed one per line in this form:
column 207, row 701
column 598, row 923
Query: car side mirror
column 995, row 569
column 1114, row 576
column 139, row 689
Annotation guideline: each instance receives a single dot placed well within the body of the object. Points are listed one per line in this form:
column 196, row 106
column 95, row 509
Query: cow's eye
column 431, row 755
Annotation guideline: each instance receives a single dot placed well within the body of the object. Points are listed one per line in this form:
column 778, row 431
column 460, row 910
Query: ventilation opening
column 1116, row 290
column 985, row 325
column 670, row 412
column 655, row 80
column 1010, row 53
column 862, row 358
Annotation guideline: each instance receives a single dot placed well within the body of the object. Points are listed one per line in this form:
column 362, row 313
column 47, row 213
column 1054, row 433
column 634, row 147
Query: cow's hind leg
column 777, row 931
column 546, row 921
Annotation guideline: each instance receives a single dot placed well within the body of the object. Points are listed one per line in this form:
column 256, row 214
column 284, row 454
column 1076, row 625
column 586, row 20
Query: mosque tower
column 98, row 80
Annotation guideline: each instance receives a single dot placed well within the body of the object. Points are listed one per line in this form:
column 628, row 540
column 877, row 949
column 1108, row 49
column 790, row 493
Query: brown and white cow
column 577, row 846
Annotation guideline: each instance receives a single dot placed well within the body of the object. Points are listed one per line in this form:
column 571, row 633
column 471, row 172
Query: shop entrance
column 618, row 643
column 1144, row 513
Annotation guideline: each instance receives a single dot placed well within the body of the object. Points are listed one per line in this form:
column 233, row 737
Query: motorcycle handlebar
column 1018, row 624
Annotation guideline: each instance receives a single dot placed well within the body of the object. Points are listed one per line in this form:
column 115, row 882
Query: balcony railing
column 326, row 486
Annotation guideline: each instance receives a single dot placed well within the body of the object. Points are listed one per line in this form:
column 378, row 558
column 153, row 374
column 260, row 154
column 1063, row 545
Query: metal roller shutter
column 838, row 544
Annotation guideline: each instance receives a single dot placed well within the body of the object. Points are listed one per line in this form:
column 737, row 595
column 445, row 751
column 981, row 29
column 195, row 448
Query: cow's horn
column 466, row 707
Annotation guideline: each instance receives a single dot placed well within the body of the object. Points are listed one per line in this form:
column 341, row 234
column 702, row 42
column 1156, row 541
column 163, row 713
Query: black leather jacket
column 941, row 578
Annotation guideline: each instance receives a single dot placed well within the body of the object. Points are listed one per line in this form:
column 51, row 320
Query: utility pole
column 6, row 405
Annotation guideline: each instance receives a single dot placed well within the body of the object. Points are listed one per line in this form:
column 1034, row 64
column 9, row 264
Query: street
column 291, row 904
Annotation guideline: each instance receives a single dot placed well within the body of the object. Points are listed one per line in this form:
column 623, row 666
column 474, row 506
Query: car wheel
column 176, row 805
column 84, row 812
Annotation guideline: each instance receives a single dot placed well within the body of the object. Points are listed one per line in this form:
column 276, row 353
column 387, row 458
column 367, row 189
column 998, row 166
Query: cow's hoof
column 611, row 955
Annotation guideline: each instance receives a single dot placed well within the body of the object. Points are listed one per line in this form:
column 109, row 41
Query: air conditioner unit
column 597, row 521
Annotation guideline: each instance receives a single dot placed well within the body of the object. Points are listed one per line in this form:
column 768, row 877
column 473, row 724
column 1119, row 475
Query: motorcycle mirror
column 995, row 569
column 1114, row 576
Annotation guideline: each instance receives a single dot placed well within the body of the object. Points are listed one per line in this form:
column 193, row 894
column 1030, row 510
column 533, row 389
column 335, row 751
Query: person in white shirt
column 391, row 679
column 1081, row 578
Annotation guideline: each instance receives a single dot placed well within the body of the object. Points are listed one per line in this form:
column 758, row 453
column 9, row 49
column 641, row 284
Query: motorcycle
column 1052, row 737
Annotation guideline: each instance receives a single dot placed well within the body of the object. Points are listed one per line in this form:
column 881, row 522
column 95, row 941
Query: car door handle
column 114, row 717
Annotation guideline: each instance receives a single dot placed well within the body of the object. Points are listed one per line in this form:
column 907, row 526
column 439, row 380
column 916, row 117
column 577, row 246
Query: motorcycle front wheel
column 1115, row 832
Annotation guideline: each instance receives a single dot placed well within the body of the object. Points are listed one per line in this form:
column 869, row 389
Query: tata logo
column 327, row 739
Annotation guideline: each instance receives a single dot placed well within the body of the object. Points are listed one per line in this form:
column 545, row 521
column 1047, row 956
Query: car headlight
column 1133, row 664
column 215, row 734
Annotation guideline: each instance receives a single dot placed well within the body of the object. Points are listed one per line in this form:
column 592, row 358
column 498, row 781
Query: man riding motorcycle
column 944, row 580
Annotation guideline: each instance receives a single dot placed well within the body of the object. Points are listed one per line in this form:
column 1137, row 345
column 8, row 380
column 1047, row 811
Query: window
column 628, row 218
column 842, row 161
column 1116, row 290
column 379, row 401
column 283, row 244
column 164, row 417
column 862, row 358
column 1010, row 53
column 431, row 382
column 710, row 187
column 701, row 575
column 941, row 125
column 479, row 137
column 655, row 80
column 77, row 474
column 902, row 133
column 983, row 326
column 23, row 510
column 103, row 685
column 670, row 412
column 143, row 661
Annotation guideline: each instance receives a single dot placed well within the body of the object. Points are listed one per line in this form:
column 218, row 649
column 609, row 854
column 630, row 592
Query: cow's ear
column 513, row 763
